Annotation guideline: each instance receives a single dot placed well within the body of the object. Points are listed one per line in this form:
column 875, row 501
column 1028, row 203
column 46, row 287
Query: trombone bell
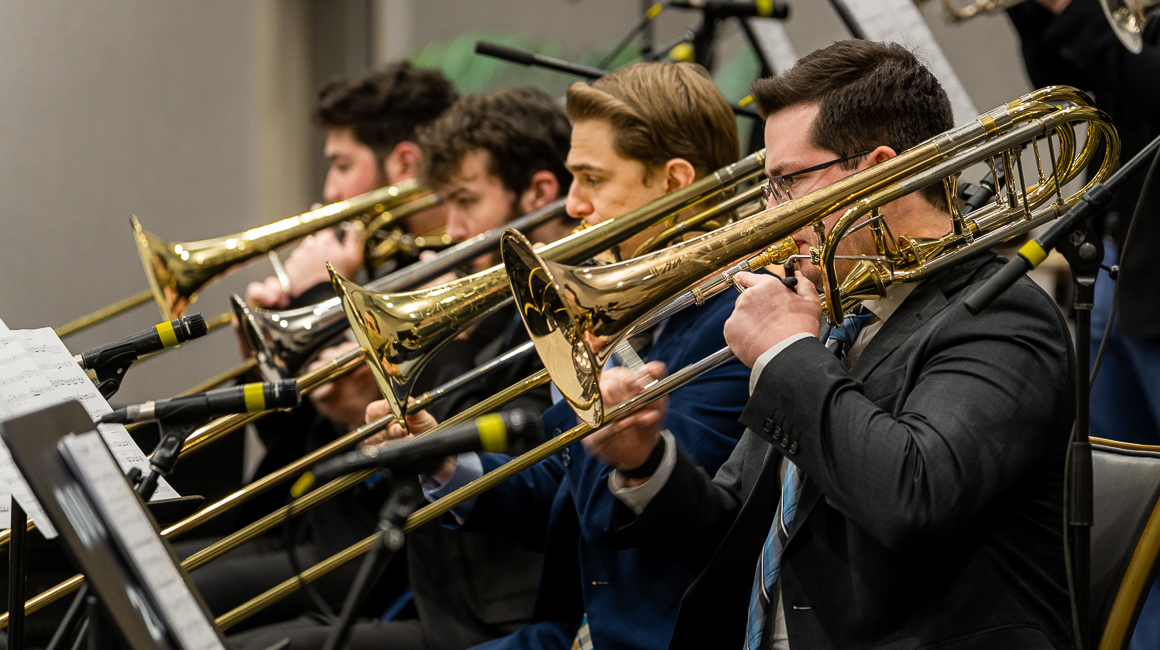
column 1128, row 18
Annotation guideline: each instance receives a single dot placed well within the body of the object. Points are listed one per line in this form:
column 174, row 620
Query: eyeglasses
column 778, row 186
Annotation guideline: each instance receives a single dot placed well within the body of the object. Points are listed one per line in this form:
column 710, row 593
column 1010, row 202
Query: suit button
column 793, row 447
column 776, row 431
column 768, row 425
column 785, row 441
column 566, row 455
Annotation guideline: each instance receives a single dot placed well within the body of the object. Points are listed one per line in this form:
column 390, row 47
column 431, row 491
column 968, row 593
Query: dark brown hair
column 661, row 111
column 522, row 129
column 385, row 107
column 869, row 94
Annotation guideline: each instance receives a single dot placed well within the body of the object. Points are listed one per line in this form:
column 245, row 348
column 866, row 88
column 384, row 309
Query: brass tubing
column 278, row 476
column 227, row 424
column 219, row 379
column 105, row 313
column 475, row 488
column 307, row 382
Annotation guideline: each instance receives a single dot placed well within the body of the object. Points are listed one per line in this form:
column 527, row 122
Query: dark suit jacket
column 1078, row 48
column 630, row 596
column 931, row 511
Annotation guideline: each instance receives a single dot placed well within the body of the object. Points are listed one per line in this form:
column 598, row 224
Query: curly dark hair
column 523, row 130
column 869, row 94
column 386, row 106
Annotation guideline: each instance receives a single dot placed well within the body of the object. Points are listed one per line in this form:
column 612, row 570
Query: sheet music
column 124, row 515
column 900, row 22
column 68, row 382
column 19, row 383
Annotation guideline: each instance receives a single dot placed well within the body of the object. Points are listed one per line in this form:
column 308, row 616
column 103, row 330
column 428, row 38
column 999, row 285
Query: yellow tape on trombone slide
column 1033, row 252
column 168, row 336
column 492, row 433
column 255, row 396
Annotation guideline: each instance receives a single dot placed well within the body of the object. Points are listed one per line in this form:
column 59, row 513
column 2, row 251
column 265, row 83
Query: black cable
column 289, row 541
column 1122, row 254
column 1067, row 566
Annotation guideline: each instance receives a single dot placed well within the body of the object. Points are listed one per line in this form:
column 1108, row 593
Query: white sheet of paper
column 899, row 21
column 38, row 371
column 20, row 383
column 69, row 382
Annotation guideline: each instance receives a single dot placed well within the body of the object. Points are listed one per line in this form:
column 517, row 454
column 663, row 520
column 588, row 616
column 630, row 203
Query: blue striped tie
column 767, row 570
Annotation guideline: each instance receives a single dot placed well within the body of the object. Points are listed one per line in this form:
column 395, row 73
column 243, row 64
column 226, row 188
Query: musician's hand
column 628, row 442
column 417, row 422
column 345, row 399
column 306, row 266
column 267, row 294
column 768, row 313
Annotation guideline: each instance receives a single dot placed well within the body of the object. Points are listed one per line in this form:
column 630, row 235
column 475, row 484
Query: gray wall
column 195, row 117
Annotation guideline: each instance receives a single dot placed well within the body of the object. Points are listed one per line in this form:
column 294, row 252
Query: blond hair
column 660, row 111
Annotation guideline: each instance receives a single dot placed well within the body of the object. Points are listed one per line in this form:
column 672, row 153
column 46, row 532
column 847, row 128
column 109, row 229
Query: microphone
column 727, row 9
column 495, row 432
column 976, row 196
column 247, row 398
column 129, row 349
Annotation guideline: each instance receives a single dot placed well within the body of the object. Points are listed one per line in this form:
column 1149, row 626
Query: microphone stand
column 84, row 604
column 403, row 501
column 1083, row 249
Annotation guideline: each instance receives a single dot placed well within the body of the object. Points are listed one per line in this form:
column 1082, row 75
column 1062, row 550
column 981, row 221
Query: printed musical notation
column 38, row 371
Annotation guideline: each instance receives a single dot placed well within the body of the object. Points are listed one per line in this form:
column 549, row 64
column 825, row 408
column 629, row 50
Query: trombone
column 178, row 270
column 1127, row 17
column 997, row 135
column 401, row 331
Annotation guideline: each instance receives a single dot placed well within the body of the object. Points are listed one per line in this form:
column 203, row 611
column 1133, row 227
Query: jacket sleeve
column 520, row 507
column 686, row 521
column 983, row 409
column 702, row 418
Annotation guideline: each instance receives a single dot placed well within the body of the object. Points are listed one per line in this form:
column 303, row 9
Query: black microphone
column 247, row 398
column 727, row 9
column 976, row 196
column 495, row 432
column 129, row 349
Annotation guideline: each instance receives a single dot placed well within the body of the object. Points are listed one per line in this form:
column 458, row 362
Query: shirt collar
column 895, row 295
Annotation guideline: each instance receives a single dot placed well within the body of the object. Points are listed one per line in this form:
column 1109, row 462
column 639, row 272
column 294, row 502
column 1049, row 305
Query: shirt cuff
column 468, row 467
column 636, row 498
column 768, row 355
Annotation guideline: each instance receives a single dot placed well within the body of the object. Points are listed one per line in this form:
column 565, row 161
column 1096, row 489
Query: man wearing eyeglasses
column 899, row 482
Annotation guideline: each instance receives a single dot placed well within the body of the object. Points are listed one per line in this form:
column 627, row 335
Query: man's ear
column 678, row 173
column 541, row 190
column 404, row 161
column 880, row 155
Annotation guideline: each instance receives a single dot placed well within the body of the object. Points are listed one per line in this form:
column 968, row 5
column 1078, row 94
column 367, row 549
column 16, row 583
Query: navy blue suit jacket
column 631, row 596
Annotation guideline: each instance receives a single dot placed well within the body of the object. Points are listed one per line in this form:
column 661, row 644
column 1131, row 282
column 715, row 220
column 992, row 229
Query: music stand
column 108, row 530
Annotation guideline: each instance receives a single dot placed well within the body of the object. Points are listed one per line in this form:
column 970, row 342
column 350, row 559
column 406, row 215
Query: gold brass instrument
column 1127, row 17
column 307, row 382
column 401, row 331
column 432, row 511
column 575, row 315
column 993, row 135
column 177, row 271
column 283, row 340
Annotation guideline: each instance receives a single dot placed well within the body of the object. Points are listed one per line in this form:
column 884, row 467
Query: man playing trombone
column 637, row 134
column 494, row 158
column 898, row 490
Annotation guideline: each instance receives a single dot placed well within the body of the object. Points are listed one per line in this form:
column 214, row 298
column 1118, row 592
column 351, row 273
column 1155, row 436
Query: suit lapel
column 917, row 310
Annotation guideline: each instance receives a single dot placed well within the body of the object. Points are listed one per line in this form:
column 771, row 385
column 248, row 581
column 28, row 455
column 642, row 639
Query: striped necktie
column 770, row 564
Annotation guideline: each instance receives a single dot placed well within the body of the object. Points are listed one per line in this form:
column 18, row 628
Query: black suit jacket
column 1078, row 48
column 931, row 512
